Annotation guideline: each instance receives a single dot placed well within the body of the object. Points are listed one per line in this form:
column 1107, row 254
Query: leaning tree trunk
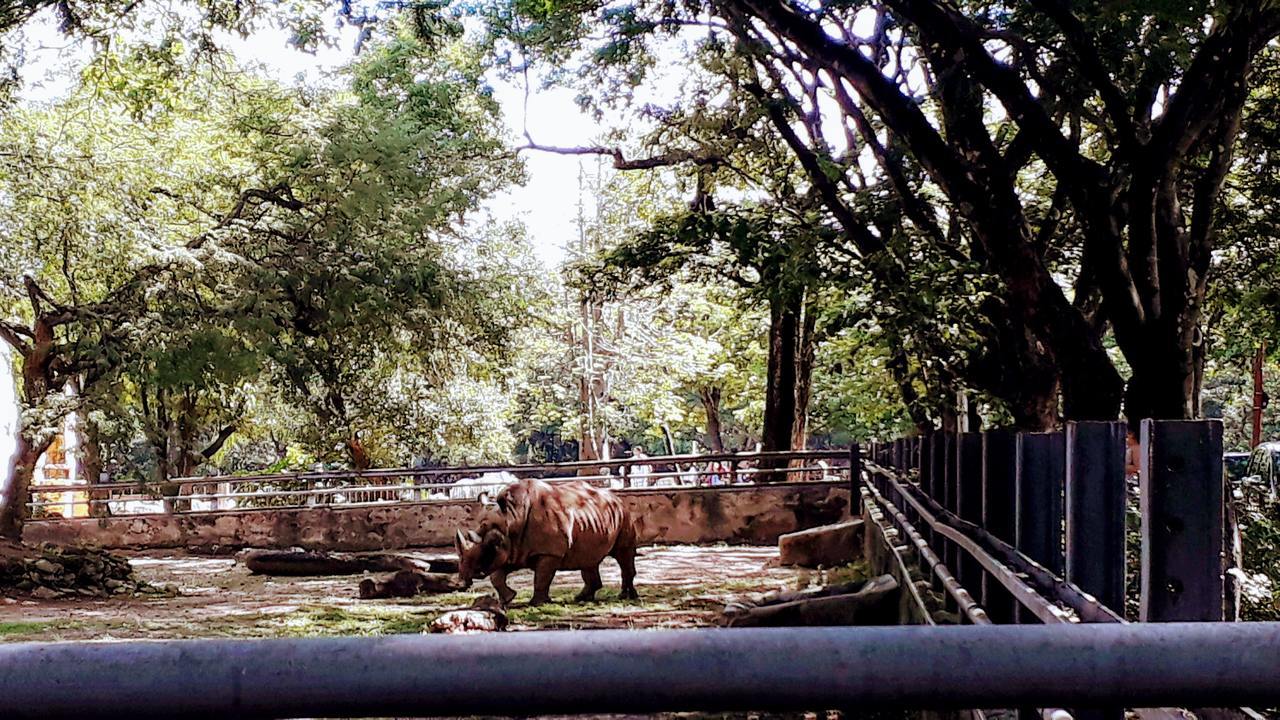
column 710, row 397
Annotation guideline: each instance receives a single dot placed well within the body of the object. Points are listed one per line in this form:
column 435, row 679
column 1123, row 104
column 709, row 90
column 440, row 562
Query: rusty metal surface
column 1174, row 664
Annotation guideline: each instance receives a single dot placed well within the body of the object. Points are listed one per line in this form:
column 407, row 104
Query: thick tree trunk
column 13, row 502
column 780, row 393
column 710, row 397
column 357, row 453
column 806, row 349
column 90, row 455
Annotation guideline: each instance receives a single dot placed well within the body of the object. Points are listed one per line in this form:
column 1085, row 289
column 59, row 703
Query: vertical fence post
column 999, row 511
column 948, row 498
column 969, row 502
column 1041, row 466
column 1182, row 516
column 925, row 461
column 1095, row 501
column 938, row 450
column 855, row 480
column 951, row 552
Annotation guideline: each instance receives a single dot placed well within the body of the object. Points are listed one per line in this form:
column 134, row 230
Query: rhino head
column 480, row 555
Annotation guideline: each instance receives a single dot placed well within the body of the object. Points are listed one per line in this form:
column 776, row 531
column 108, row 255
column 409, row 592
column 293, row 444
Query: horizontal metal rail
column 356, row 495
column 397, row 487
column 1027, row 581
column 524, row 674
column 517, row 470
column 964, row 600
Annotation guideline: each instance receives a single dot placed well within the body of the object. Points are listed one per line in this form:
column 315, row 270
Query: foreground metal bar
column 1182, row 664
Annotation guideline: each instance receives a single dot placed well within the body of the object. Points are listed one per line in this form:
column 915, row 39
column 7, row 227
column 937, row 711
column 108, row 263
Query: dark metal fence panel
column 938, row 448
column 969, row 499
column 1182, row 511
column 1095, row 506
column 999, row 503
column 1041, row 466
column 999, row 483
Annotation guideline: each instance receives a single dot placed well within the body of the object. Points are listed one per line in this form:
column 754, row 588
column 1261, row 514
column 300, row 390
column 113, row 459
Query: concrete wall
column 749, row 515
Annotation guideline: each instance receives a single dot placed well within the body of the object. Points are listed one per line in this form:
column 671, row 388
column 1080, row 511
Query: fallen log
column 873, row 602
column 301, row 563
column 408, row 583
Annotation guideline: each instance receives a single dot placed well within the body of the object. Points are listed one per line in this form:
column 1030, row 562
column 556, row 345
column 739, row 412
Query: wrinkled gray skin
column 543, row 527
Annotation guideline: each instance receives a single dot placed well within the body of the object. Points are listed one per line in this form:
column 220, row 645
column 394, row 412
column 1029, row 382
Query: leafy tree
column 1131, row 116
column 96, row 221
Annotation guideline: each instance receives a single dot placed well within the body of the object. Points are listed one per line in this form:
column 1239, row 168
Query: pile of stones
column 48, row 572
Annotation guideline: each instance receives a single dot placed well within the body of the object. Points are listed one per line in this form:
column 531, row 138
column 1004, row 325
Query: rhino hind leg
column 544, row 571
column 627, row 564
column 591, row 583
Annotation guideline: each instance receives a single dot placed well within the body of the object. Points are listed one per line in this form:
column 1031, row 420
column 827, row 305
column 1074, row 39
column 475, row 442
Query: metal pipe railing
column 524, row 674
column 518, row 470
column 104, row 494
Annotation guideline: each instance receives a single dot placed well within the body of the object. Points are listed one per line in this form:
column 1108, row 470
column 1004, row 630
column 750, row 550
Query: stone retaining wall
column 748, row 515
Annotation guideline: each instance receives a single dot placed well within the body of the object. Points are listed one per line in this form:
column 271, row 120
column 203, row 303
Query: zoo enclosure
column 1054, row 507
column 402, row 485
column 1003, row 528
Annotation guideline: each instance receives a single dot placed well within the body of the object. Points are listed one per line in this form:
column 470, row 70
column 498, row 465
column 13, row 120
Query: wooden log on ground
column 874, row 603
column 294, row 563
column 826, row 546
column 408, row 583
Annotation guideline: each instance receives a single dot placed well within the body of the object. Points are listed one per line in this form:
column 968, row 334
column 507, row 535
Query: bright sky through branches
column 546, row 204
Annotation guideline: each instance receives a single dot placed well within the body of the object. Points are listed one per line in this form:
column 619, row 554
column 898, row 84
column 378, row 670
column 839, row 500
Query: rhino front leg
column 505, row 593
column 544, row 571
column 590, row 584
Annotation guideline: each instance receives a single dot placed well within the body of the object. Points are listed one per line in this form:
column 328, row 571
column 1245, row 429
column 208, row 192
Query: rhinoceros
column 548, row 527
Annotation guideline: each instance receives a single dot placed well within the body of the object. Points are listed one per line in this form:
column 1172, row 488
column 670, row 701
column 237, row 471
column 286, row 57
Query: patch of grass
column 24, row 628
column 37, row 630
column 324, row 621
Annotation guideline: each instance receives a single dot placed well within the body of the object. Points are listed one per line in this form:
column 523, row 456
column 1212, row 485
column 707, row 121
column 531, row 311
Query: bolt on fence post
column 1041, row 463
column 1182, row 517
column 1095, row 505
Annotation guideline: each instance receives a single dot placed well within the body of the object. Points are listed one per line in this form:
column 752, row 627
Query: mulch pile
column 48, row 572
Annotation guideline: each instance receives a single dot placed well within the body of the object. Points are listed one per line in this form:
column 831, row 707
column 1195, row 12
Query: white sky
column 546, row 204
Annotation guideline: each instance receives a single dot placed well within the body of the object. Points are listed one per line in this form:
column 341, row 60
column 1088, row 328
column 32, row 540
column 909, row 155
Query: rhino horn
column 462, row 541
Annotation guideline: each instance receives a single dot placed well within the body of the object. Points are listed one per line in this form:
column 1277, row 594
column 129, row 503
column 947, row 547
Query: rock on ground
column 826, row 546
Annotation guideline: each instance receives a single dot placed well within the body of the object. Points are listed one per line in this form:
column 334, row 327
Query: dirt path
column 680, row 586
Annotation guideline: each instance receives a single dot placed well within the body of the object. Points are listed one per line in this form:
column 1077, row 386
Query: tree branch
column 621, row 162
column 1086, row 53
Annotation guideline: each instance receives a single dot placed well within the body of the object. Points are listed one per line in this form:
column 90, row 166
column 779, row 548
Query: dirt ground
column 680, row 586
